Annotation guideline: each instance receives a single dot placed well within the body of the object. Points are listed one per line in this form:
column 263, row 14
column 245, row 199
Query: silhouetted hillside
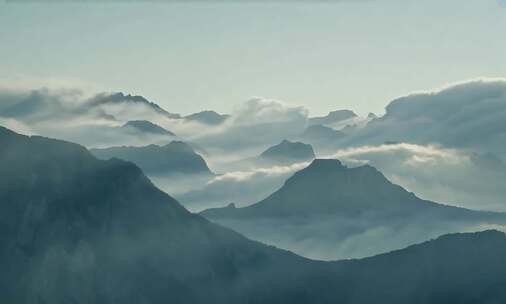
column 330, row 211
column 120, row 98
column 145, row 127
column 288, row 152
column 326, row 187
column 175, row 157
column 207, row 117
column 76, row 229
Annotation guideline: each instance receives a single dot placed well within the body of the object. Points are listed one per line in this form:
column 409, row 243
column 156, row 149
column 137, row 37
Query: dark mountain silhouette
column 76, row 229
column 145, row 127
column 288, row 152
column 327, row 204
column 207, row 117
column 332, row 117
column 173, row 158
column 326, row 186
column 119, row 98
column 451, row 269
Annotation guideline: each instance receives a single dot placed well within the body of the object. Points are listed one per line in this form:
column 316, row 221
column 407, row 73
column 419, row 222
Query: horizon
column 213, row 55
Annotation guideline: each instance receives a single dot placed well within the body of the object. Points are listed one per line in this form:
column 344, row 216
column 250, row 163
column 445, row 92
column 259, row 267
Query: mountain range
column 76, row 229
column 327, row 204
column 176, row 157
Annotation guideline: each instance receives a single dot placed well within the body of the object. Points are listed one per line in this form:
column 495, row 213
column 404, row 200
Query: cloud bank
column 467, row 115
column 453, row 176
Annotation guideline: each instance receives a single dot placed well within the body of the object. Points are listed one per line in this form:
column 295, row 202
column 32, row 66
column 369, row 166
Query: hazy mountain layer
column 332, row 117
column 144, row 126
column 207, row 117
column 76, row 229
column 288, row 152
column 174, row 158
column 331, row 211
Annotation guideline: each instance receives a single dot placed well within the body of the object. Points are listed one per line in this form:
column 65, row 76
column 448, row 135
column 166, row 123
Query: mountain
column 120, row 98
column 325, row 140
column 430, row 272
column 82, row 230
column 341, row 190
column 207, row 117
column 332, row 117
column 145, row 127
column 173, row 158
column 321, row 134
column 288, row 152
column 328, row 204
column 76, row 229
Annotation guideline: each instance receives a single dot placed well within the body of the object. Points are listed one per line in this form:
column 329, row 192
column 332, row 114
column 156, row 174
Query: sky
column 354, row 54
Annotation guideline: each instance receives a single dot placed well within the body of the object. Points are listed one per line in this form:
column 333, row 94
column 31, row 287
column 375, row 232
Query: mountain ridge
column 343, row 190
column 172, row 158
column 82, row 230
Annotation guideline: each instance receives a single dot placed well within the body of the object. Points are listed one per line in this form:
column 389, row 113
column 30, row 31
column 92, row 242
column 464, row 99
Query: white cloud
column 256, row 124
column 241, row 187
column 467, row 115
column 441, row 174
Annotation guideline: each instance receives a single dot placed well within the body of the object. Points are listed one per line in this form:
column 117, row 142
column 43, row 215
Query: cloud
column 266, row 111
column 93, row 121
column 17, row 126
column 68, row 114
column 243, row 187
column 466, row 115
column 447, row 175
column 256, row 124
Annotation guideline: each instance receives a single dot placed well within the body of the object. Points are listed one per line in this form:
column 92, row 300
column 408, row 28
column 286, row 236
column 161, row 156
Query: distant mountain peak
column 176, row 157
column 145, row 126
column 326, row 186
column 288, row 151
column 207, row 117
column 324, row 170
column 120, row 97
column 327, row 164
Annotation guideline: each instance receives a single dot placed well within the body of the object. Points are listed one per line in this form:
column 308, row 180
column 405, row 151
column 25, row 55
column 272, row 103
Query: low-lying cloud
column 467, row 115
column 446, row 175
column 240, row 187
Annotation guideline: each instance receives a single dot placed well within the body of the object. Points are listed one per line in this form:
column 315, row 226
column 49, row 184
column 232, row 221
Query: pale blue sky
column 188, row 57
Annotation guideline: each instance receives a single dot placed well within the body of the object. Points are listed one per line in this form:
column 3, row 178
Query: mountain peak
column 326, row 186
column 120, row 97
column 325, row 164
column 176, row 157
column 288, row 151
column 207, row 117
column 145, row 126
